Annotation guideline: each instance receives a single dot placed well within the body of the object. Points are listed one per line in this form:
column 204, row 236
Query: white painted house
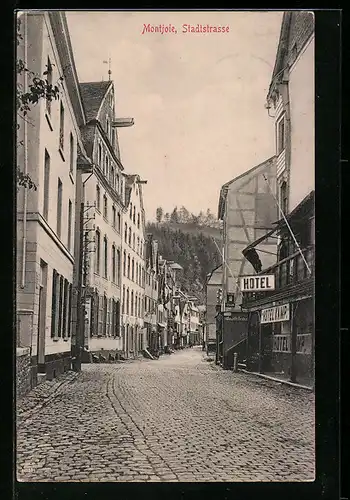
column 45, row 218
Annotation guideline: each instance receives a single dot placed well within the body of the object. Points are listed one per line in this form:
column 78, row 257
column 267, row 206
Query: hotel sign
column 261, row 283
column 275, row 314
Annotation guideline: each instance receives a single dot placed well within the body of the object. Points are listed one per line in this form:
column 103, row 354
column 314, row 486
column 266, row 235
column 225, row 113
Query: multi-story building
column 213, row 285
column 281, row 328
column 133, row 273
column 49, row 146
column 151, row 293
column 248, row 209
column 104, row 203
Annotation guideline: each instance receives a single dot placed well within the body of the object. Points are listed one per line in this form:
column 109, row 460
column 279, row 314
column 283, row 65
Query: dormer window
column 107, row 126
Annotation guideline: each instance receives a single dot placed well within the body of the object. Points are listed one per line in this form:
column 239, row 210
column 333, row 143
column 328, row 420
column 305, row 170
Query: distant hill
column 192, row 247
column 211, row 232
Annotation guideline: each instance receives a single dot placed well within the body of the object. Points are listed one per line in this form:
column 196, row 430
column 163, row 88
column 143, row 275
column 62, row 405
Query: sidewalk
column 42, row 394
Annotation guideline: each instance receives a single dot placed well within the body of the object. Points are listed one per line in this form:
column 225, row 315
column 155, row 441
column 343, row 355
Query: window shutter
column 69, row 321
column 60, row 307
column 53, row 303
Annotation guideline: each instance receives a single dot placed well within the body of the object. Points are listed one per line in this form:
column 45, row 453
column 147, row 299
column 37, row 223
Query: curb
column 280, row 381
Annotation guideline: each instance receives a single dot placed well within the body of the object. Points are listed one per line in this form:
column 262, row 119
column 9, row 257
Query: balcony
column 290, row 274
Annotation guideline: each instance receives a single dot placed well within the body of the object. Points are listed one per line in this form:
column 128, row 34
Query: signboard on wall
column 261, row 283
column 275, row 314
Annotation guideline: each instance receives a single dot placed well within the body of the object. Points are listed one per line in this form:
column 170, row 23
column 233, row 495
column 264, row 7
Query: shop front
column 281, row 339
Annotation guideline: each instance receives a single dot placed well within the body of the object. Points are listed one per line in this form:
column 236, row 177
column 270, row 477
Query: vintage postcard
column 165, row 246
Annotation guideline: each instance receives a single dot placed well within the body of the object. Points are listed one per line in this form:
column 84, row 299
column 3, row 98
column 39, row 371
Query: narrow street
column 178, row 418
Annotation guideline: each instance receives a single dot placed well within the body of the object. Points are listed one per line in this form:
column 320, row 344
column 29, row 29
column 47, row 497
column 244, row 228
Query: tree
column 38, row 88
column 184, row 215
column 159, row 214
column 174, row 217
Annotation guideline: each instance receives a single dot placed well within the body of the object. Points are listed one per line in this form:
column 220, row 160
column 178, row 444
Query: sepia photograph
column 165, row 243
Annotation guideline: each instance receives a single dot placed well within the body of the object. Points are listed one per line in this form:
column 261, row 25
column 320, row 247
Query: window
column 125, row 232
column 46, row 185
column 130, row 210
column 105, row 245
column 71, row 159
column 123, row 304
column 138, row 245
column 119, row 222
column 127, row 301
column 130, row 236
column 106, row 166
column 112, row 176
column 280, row 136
column 61, row 140
column 283, row 197
column 133, row 241
column 129, row 266
column 132, row 303
column 133, row 269
column 113, row 264
column 124, row 263
column 114, row 216
column 98, row 198
column 134, row 216
column 138, row 221
column 105, row 207
column 118, row 268
column 69, row 240
column 49, row 82
column 59, row 207
column 100, row 156
column 117, row 183
column 98, row 252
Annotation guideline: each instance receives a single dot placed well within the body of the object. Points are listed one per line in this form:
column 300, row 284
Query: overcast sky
column 197, row 98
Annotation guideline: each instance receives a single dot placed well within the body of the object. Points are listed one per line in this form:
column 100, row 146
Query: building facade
column 281, row 327
column 48, row 152
column 103, row 208
column 133, row 273
column 151, row 293
column 248, row 209
column 213, row 305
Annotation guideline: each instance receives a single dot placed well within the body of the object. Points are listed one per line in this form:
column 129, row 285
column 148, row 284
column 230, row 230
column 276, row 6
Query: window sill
column 60, row 150
column 48, row 119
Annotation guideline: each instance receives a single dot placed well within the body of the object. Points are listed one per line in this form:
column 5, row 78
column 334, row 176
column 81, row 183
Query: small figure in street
column 191, row 345
column 203, row 346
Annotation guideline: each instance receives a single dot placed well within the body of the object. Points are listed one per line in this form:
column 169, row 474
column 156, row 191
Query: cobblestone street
column 178, row 418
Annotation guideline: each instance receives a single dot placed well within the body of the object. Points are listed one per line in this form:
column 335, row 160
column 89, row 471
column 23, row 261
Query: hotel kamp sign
column 275, row 314
column 258, row 283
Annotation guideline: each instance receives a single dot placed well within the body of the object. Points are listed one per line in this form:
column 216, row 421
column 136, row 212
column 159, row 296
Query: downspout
column 25, row 161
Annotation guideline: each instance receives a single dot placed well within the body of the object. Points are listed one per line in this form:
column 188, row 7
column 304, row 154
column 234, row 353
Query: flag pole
column 288, row 226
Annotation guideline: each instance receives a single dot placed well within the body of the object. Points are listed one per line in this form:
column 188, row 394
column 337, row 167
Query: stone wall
column 23, row 371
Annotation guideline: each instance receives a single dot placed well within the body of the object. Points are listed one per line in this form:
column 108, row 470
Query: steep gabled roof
column 92, row 94
column 225, row 187
column 296, row 29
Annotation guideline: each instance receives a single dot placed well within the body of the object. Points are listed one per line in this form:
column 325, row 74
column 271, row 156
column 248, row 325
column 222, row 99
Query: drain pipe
column 25, row 160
